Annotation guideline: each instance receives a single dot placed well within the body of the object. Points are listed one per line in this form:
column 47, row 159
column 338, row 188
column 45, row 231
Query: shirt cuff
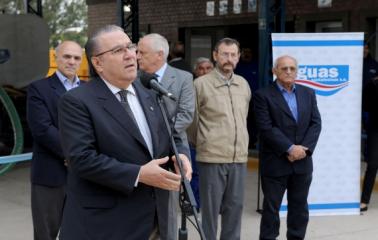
column 137, row 180
column 290, row 148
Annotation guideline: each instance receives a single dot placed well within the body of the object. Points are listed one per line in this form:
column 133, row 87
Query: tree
column 11, row 7
column 67, row 19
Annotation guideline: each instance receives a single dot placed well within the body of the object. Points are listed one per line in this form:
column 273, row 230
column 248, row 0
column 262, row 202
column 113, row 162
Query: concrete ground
column 16, row 224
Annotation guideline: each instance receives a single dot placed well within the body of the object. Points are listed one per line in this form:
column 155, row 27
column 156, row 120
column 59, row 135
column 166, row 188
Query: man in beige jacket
column 219, row 131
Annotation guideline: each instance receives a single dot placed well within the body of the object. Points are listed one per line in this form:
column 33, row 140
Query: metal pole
column 263, row 55
column 264, row 40
column 120, row 14
column 30, row 9
column 281, row 16
column 271, row 17
column 135, row 21
column 39, row 8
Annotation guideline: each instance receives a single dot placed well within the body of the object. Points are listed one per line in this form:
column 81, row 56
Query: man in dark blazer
column 117, row 146
column 48, row 171
column 152, row 56
column 289, row 125
column 177, row 55
column 370, row 124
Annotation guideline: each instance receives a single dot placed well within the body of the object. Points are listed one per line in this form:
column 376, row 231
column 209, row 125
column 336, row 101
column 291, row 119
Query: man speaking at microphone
column 114, row 138
column 153, row 50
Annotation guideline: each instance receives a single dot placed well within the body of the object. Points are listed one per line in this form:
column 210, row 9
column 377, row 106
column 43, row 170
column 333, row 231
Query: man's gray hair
column 227, row 41
column 275, row 64
column 158, row 43
column 57, row 48
column 91, row 47
column 201, row 60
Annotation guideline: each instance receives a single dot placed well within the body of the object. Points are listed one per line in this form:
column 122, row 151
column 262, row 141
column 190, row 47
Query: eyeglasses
column 227, row 55
column 285, row 69
column 118, row 50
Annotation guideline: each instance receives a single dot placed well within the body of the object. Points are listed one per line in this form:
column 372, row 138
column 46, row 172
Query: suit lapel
column 280, row 100
column 301, row 102
column 150, row 111
column 56, row 85
column 168, row 77
column 112, row 106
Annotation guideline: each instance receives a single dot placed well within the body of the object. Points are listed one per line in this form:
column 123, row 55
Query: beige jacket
column 219, row 129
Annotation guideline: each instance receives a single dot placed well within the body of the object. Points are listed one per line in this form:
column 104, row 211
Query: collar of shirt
column 161, row 72
column 225, row 81
column 282, row 89
column 68, row 85
column 138, row 113
column 115, row 89
column 290, row 99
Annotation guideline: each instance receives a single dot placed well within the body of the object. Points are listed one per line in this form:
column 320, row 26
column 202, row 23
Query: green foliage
column 12, row 7
column 67, row 19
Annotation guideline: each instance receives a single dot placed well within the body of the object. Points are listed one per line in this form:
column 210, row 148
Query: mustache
column 228, row 63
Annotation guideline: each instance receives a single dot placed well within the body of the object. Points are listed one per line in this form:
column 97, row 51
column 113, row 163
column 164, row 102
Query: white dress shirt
column 137, row 110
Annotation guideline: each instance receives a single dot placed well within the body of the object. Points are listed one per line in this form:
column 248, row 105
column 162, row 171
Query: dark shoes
column 363, row 207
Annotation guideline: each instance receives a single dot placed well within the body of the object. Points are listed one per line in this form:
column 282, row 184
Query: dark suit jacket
column 278, row 129
column 369, row 104
column 47, row 167
column 105, row 151
column 181, row 64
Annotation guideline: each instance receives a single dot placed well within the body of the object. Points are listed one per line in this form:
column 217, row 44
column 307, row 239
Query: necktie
column 142, row 126
column 126, row 106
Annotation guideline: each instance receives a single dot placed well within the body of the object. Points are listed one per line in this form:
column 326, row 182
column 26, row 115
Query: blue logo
column 326, row 80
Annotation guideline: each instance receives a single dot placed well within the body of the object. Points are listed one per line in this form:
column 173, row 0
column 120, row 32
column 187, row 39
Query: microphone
column 150, row 81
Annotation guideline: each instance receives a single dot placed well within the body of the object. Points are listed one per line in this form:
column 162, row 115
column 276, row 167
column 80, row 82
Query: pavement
column 16, row 223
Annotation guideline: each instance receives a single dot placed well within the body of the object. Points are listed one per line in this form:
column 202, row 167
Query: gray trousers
column 172, row 231
column 167, row 218
column 222, row 192
column 47, row 209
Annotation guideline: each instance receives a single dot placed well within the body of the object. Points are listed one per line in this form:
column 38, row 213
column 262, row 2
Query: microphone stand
column 187, row 202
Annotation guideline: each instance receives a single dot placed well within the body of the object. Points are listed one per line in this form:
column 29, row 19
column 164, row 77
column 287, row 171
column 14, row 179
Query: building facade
column 200, row 23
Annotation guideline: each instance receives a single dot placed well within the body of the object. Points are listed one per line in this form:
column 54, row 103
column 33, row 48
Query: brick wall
column 167, row 16
column 100, row 13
